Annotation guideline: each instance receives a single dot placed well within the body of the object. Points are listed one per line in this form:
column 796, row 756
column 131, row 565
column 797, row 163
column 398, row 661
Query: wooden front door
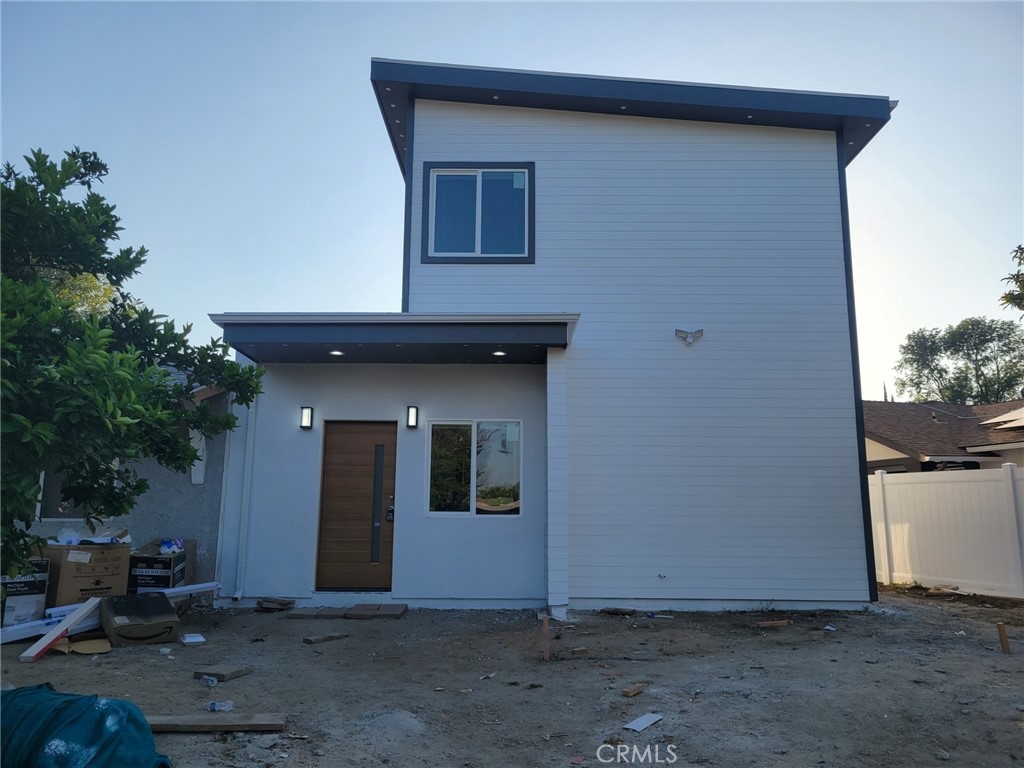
column 357, row 500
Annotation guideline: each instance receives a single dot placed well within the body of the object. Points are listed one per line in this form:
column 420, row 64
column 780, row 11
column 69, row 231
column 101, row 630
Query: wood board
column 216, row 721
column 47, row 641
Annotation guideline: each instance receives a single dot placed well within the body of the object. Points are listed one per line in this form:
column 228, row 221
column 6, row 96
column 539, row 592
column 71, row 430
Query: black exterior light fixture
column 306, row 417
column 412, row 416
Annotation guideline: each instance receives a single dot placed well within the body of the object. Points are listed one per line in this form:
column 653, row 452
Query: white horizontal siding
column 723, row 470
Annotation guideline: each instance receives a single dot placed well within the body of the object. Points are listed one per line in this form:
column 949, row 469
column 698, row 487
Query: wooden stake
column 1004, row 641
column 545, row 639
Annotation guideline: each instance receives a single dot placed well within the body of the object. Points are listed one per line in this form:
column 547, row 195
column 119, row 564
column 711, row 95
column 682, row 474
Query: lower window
column 475, row 467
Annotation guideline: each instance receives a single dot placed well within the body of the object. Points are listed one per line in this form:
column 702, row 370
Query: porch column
column 558, row 497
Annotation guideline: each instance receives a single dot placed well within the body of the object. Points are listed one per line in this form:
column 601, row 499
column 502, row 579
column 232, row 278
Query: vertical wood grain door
column 357, row 498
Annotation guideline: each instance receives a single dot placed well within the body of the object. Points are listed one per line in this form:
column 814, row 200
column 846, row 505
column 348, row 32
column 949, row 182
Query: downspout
column 243, row 523
column 225, row 463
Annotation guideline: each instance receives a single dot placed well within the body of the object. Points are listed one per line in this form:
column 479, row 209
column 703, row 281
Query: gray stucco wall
column 172, row 508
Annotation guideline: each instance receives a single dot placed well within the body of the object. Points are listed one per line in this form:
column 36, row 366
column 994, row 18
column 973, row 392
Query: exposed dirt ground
column 915, row 681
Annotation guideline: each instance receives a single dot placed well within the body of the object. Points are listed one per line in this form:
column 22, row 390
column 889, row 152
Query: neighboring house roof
column 936, row 431
column 397, row 83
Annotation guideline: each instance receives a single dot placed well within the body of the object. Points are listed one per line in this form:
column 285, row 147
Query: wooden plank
column 216, row 721
column 322, row 638
column 362, row 611
column 47, row 641
column 634, row 690
column 31, row 629
column 221, row 672
column 776, row 623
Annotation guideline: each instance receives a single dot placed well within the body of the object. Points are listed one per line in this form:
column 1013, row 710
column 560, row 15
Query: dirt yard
column 915, row 681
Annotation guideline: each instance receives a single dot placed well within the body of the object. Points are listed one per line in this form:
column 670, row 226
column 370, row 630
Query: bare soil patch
column 912, row 682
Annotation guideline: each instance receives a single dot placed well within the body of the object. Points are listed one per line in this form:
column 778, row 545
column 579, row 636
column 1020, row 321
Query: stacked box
column 150, row 571
column 25, row 596
column 81, row 571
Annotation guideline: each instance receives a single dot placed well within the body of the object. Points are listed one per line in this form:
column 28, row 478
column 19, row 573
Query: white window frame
column 477, row 253
column 472, row 514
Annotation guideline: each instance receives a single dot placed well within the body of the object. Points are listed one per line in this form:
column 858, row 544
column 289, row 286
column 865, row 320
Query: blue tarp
column 43, row 728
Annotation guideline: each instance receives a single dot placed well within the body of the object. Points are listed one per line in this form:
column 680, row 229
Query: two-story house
column 625, row 371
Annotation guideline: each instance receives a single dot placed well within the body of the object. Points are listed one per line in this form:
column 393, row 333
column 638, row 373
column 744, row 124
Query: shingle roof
column 938, row 429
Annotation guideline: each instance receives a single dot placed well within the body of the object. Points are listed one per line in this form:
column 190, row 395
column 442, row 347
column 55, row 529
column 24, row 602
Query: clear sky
column 247, row 152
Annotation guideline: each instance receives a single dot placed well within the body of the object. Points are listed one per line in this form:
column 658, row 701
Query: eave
column 453, row 338
column 397, row 84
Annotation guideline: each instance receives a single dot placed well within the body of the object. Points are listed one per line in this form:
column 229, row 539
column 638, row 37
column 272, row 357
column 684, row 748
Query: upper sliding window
column 478, row 212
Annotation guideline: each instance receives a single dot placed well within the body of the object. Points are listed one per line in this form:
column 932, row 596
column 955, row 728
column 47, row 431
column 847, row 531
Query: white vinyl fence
column 963, row 528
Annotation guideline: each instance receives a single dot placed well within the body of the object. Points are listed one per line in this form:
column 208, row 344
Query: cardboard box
column 139, row 619
column 25, row 596
column 149, row 570
column 85, row 570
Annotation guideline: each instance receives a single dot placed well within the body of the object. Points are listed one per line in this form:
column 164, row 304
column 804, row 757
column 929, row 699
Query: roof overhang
column 994, row 447
column 892, row 445
column 312, row 337
column 398, row 83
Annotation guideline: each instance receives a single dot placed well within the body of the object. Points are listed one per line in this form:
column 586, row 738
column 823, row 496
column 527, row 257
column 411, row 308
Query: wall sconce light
column 305, row 417
column 412, row 416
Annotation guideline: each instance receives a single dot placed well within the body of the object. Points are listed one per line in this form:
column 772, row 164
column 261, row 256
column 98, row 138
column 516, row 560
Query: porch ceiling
column 395, row 338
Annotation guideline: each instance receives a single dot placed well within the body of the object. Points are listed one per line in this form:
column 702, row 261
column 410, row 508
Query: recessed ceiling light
column 496, row 97
column 867, row 125
column 621, row 107
column 850, row 143
column 499, row 353
column 750, row 117
column 386, row 88
column 401, row 135
column 392, row 106
column 399, row 122
column 337, row 352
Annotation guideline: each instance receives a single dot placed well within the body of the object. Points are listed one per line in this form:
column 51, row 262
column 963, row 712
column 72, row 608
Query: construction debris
column 216, row 722
column 634, row 690
column 315, row 639
column 642, row 723
column 47, row 641
column 221, row 672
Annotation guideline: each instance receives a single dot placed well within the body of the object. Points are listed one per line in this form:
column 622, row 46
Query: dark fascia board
column 301, row 338
column 397, row 84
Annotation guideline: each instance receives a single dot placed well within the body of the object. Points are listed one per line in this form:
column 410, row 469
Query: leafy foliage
column 1014, row 297
column 977, row 360
column 85, row 369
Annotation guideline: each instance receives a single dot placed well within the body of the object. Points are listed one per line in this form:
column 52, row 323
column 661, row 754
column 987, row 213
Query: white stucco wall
column 443, row 561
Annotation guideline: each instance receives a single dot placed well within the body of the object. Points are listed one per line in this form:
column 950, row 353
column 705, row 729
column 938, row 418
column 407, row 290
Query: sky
column 248, row 154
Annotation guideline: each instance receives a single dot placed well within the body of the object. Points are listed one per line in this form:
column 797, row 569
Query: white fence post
column 1015, row 506
column 888, row 565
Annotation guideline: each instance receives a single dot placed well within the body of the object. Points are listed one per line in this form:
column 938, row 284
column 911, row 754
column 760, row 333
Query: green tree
column 1014, row 298
column 85, row 384
column 975, row 361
